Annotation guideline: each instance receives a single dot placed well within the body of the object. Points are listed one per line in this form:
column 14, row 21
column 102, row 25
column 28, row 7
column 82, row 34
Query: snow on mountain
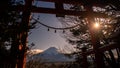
column 51, row 50
column 51, row 55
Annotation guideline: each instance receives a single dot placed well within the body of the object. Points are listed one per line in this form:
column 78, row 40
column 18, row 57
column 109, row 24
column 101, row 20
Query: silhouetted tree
column 10, row 28
column 109, row 28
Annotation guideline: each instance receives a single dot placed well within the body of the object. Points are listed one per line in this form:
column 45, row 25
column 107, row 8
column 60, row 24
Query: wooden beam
column 63, row 1
column 63, row 12
column 80, row 2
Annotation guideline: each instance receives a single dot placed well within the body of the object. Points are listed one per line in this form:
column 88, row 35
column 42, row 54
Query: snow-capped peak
column 51, row 50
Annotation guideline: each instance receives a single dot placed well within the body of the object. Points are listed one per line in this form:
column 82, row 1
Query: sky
column 41, row 37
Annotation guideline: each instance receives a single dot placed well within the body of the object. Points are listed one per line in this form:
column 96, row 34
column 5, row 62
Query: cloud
column 35, row 51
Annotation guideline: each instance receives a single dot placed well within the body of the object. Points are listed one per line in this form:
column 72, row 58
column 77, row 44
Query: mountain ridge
column 51, row 55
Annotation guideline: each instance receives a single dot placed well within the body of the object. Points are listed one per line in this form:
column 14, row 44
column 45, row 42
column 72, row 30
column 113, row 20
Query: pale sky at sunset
column 42, row 38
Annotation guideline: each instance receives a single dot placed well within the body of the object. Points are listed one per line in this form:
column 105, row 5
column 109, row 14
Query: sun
column 97, row 25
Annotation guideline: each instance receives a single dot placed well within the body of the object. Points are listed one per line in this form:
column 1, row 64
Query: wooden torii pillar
column 24, row 33
column 28, row 8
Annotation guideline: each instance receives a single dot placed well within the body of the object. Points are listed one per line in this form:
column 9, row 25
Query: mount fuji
column 51, row 55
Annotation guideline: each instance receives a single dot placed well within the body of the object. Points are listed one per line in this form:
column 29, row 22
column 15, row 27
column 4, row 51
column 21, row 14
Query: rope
column 55, row 27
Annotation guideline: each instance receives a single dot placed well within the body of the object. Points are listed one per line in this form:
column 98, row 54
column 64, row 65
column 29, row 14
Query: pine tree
column 108, row 32
column 10, row 28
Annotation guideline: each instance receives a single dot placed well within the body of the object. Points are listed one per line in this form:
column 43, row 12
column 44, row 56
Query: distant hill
column 51, row 55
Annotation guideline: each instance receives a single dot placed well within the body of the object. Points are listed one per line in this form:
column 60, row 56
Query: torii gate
column 60, row 11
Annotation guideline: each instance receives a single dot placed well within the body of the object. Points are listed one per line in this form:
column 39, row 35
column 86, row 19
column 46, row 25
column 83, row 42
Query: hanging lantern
column 63, row 31
column 48, row 29
column 55, row 31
